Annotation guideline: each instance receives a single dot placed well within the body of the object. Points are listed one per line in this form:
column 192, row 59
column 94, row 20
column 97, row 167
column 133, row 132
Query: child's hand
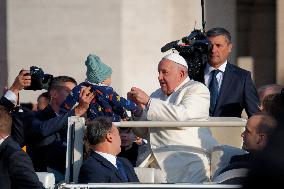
column 138, row 96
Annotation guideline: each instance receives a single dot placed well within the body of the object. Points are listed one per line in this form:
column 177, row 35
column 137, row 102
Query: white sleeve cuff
column 148, row 103
column 11, row 96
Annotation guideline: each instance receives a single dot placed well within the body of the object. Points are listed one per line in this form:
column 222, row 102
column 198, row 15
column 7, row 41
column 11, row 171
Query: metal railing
column 137, row 185
column 211, row 122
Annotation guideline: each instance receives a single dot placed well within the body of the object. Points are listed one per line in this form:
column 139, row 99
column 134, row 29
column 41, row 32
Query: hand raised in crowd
column 85, row 98
column 138, row 96
column 23, row 80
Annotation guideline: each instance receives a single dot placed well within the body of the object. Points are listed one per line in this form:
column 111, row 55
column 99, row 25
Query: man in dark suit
column 47, row 129
column 231, row 88
column 16, row 169
column 103, row 165
column 44, row 132
column 256, row 136
column 10, row 101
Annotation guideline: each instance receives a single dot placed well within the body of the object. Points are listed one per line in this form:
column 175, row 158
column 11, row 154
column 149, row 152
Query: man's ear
column 181, row 73
column 109, row 137
column 261, row 138
column 230, row 47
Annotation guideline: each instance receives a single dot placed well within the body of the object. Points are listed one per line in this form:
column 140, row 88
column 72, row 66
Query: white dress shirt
column 2, row 139
column 219, row 76
column 11, row 96
column 109, row 157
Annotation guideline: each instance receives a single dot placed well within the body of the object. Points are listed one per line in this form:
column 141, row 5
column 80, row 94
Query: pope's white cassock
column 182, row 153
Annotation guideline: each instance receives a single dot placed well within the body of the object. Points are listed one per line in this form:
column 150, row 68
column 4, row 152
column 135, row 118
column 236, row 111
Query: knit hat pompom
column 97, row 71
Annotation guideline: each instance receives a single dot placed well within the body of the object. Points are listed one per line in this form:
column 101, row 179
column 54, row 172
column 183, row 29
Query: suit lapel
column 125, row 167
column 106, row 163
column 226, row 82
column 3, row 146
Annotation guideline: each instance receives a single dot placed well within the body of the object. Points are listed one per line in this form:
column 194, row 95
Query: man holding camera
column 44, row 131
column 48, row 129
column 10, row 101
column 231, row 88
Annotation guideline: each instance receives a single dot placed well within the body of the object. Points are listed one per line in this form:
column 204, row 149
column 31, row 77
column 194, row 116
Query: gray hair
column 219, row 31
column 185, row 69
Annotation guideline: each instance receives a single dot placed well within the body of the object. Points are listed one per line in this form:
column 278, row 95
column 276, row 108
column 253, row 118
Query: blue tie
column 121, row 170
column 213, row 88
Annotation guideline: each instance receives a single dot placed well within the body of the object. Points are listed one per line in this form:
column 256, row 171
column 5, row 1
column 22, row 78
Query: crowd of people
column 112, row 153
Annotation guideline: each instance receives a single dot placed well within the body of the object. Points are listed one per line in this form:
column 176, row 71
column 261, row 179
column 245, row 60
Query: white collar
column 99, row 84
column 209, row 68
column 111, row 158
column 2, row 140
column 182, row 83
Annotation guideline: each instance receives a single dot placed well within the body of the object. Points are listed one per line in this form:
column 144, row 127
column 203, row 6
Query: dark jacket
column 6, row 103
column 130, row 154
column 237, row 92
column 47, row 139
column 96, row 169
column 18, row 127
column 16, row 169
column 241, row 161
column 43, row 132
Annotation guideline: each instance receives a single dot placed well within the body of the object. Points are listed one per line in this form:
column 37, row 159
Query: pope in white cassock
column 182, row 153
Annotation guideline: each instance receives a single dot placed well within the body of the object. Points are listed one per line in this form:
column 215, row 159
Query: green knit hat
column 97, row 71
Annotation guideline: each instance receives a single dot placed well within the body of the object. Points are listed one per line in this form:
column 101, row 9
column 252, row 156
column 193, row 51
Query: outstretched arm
column 10, row 98
column 45, row 128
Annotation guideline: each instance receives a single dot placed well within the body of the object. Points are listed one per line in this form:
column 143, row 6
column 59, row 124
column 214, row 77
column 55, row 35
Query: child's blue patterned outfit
column 105, row 103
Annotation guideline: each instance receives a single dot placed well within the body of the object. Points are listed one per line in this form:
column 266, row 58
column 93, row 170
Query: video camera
column 39, row 80
column 195, row 49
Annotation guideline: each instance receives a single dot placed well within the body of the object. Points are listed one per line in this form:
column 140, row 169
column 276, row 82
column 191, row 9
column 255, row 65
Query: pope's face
column 169, row 76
